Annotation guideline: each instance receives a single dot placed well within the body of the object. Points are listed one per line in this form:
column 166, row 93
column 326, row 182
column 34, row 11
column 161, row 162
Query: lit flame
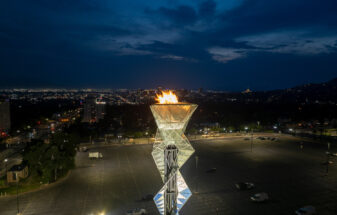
column 167, row 97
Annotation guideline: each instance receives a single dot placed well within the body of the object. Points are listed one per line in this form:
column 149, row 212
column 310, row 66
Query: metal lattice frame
column 170, row 151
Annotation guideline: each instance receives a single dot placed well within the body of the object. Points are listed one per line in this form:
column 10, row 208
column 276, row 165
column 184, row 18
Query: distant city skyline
column 219, row 45
column 89, row 90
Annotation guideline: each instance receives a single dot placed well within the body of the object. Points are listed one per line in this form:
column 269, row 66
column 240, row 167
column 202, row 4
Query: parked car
column 212, row 170
column 331, row 154
column 306, row 210
column 148, row 197
column 260, row 197
column 244, row 185
column 83, row 149
column 137, row 211
column 95, row 155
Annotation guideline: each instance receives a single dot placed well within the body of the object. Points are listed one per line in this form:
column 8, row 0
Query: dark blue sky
column 223, row 45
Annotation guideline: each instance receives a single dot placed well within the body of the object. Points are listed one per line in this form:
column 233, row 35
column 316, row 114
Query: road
column 293, row 177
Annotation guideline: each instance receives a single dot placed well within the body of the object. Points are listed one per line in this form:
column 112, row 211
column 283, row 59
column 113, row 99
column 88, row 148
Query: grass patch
column 2, row 182
column 11, row 189
column 24, row 185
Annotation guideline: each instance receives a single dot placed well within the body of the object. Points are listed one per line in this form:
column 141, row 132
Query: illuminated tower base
column 171, row 192
column 170, row 151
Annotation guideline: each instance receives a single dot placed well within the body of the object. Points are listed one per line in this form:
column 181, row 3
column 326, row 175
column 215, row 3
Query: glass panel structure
column 170, row 151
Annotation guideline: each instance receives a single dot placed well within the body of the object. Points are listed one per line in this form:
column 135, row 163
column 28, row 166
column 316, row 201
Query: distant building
column 100, row 109
column 94, row 109
column 5, row 122
column 88, row 108
column 247, row 91
column 16, row 172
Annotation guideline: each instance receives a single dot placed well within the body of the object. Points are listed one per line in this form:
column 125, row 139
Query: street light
column 6, row 160
column 327, row 159
column 148, row 138
column 251, row 140
column 17, row 194
column 196, row 168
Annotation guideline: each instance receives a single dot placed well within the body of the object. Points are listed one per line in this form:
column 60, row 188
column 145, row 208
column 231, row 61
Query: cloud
column 178, row 58
column 110, row 44
column 133, row 44
column 223, row 55
column 300, row 42
column 194, row 15
column 264, row 15
column 291, row 42
column 182, row 15
column 74, row 5
column 148, row 37
column 172, row 57
column 207, row 8
column 132, row 51
column 80, row 33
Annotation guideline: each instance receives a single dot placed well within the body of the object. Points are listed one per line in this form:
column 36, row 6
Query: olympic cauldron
column 171, row 150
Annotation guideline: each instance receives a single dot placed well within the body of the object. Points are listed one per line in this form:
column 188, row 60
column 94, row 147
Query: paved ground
column 291, row 176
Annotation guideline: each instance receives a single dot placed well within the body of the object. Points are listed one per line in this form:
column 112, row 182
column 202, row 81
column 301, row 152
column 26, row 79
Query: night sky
column 223, row 45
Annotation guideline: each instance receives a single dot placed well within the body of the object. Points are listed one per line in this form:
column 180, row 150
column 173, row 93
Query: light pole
column 327, row 159
column 6, row 160
column 17, row 194
column 196, row 168
column 251, row 140
column 147, row 136
column 327, row 163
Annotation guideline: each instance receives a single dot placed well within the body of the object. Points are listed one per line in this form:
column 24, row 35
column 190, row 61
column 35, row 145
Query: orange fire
column 167, row 97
